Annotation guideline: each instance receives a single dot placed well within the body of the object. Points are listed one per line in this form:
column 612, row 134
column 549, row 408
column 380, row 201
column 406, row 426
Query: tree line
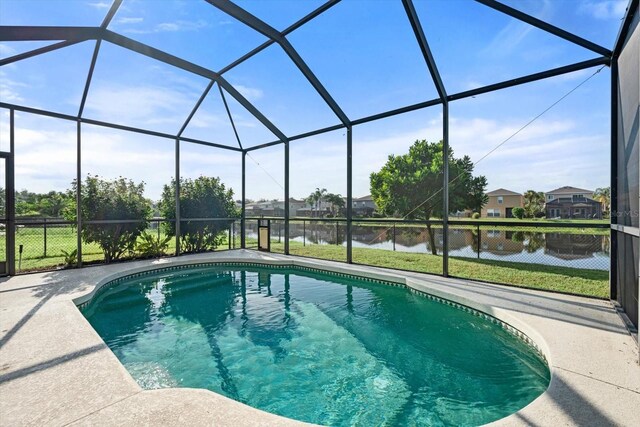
column 116, row 215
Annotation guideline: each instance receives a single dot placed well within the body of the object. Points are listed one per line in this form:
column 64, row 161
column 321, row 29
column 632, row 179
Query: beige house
column 501, row 203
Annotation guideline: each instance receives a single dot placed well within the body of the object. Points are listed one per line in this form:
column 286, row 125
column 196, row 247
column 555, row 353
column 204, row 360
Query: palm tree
column 533, row 203
column 316, row 198
column 336, row 201
column 603, row 195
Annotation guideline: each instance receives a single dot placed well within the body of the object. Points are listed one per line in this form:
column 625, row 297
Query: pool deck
column 56, row 370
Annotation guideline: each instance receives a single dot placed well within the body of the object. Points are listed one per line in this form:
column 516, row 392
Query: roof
column 582, row 203
column 568, row 190
column 364, row 198
column 503, row 192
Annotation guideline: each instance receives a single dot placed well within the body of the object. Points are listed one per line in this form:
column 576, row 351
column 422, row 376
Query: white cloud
column 10, row 89
column 129, row 20
column 250, row 93
column 171, row 27
column 548, row 154
column 100, row 5
column 46, row 156
column 204, row 120
column 6, row 50
column 143, row 105
column 605, row 10
column 511, row 35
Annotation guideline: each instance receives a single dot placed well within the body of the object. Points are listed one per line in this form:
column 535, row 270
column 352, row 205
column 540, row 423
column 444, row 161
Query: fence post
column 479, row 241
column 394, row 236
column 304, row 232
column 337, row 233
column 45, row 237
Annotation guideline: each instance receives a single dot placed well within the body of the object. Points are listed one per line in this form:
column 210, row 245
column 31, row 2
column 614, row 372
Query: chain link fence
column 46, row 244
column 567, row 257
column 318, row 238
column 43, row 244
column 407, row 245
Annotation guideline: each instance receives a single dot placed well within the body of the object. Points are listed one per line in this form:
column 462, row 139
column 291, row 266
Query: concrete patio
column 56, row 370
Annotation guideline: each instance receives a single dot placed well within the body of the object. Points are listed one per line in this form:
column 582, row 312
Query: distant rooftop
column 569, row 190
column 503, row 192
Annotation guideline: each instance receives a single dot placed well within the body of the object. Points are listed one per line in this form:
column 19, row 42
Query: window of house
column 550, row 197
column 500, row 200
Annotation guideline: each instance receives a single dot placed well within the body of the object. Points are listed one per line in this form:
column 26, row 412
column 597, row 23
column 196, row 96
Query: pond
column 564, row 248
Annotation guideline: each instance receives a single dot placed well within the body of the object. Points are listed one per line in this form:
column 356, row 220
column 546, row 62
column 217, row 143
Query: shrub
column 120, row 199
column 475, row 215
column 204, row 197
column 518, row 212
column 150, row 246
column 70, row 258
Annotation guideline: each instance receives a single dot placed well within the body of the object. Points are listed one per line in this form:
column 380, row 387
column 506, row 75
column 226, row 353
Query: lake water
column 565, row 249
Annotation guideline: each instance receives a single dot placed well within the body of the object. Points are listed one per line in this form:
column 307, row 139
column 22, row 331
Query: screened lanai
column 294, row 105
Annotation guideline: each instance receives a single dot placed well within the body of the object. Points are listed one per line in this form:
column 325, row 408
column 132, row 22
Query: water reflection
column 577, row 250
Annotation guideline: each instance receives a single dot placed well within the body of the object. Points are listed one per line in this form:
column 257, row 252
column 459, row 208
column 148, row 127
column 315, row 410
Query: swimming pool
column 317, row 346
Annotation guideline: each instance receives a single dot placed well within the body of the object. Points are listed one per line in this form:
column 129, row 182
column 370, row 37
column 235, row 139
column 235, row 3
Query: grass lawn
column 60, row 239
column 594, row 283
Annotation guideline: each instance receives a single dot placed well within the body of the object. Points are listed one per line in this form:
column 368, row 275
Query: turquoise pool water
column 317, row 347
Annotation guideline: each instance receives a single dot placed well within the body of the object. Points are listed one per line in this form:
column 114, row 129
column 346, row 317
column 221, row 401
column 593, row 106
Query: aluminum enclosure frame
column 74, row 35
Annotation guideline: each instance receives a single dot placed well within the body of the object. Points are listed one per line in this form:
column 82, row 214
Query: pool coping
column 590, row 354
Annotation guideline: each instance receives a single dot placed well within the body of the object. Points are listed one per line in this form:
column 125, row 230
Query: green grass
column 594, row 283
column 59, row 239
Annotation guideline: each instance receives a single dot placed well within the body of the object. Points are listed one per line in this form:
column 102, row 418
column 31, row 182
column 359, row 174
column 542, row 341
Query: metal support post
column 613, row 234
column 349, row 194
column 445, row 189
column 287, row 213
column 44, row 249
column 11, row 199
column 243, row 228
column 79, row 192
column 177, row 192
column 394, row 237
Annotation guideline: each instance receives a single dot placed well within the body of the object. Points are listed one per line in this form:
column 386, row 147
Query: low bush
column 518, row 212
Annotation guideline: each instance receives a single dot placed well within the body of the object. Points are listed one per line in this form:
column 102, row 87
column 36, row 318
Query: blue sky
column 362, row 51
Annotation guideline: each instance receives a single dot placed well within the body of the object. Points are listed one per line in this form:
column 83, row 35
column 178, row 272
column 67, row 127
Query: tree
column 316, row 198
column 410, row 185
column 533, row 203
column 204, row 197
column 120, row 199
column 336, row 201
column 53, row 204
column 477, row 196
column 603, row 195
column 49, row 204
column 518, row 212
